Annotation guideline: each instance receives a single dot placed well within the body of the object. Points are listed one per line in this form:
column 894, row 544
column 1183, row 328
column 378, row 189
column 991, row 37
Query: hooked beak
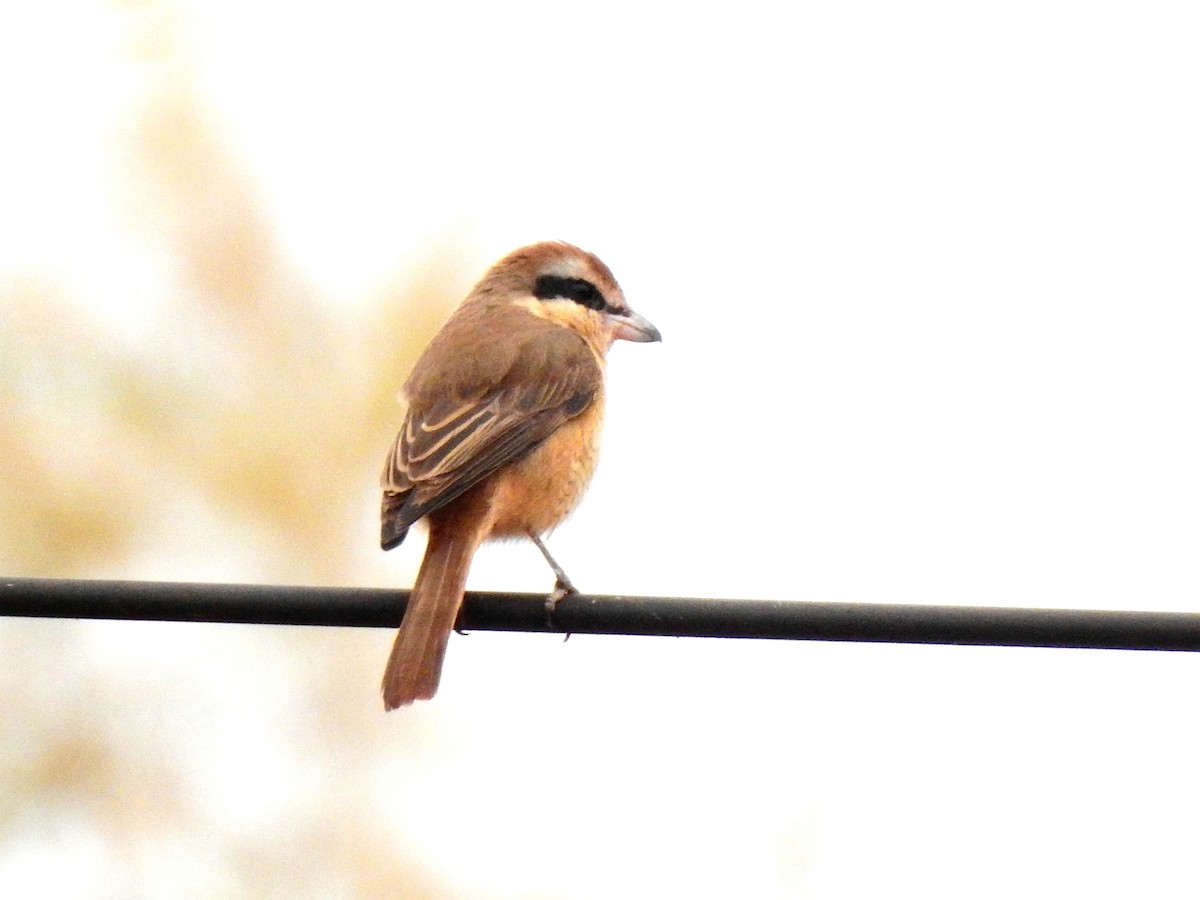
column 632, row 327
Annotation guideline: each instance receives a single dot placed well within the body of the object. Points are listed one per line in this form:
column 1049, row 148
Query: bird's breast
column 539, row 491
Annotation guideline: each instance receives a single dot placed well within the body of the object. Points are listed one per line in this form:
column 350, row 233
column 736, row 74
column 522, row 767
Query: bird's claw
column 562, row 588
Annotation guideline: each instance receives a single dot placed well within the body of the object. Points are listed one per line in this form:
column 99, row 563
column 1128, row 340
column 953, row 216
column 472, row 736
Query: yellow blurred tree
column 253, row 405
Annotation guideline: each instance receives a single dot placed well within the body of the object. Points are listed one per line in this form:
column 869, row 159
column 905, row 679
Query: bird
column 501, row 434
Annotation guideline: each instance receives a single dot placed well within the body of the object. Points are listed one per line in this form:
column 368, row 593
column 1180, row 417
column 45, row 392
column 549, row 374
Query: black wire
column 582, row 614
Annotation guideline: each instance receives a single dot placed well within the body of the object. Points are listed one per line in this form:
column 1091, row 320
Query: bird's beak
column 632, row 327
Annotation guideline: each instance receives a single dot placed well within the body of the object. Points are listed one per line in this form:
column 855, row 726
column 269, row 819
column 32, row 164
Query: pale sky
column 928, row 285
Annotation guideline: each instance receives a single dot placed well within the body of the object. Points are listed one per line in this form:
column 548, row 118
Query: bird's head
column 571, row 287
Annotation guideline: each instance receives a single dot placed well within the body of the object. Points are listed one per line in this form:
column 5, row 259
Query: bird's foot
column 562, row 588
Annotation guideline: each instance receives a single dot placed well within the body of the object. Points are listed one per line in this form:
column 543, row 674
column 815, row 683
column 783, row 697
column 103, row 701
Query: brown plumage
column 501, row 434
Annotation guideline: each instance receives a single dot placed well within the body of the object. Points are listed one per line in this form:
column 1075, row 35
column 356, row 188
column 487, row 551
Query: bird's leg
column 562, row 584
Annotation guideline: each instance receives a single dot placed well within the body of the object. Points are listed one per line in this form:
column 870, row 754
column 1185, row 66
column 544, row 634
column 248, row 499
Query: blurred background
column 927, row 276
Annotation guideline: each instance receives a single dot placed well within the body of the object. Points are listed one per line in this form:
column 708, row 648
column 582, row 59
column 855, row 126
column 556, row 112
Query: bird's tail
column 415, row 666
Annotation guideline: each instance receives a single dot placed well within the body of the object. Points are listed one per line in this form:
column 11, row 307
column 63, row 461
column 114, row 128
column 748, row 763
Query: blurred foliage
column 254, row 406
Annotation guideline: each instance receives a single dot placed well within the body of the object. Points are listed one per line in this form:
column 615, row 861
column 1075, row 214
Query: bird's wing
column 480, row 408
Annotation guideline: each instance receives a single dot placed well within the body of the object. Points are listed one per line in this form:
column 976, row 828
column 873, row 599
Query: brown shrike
column 501, row 434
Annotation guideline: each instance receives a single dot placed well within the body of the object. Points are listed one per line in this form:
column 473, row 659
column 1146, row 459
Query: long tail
column 415, row 666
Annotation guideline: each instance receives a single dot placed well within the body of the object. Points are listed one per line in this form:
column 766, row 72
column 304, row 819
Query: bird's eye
column 582, row 291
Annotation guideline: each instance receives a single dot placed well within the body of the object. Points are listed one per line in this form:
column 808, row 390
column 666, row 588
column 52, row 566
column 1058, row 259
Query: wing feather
column 470, row 420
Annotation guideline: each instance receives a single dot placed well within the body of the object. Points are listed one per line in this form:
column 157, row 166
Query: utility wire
column 585, row 614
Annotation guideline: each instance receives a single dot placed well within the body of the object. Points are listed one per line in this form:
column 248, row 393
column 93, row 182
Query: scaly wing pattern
column 485, row 409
